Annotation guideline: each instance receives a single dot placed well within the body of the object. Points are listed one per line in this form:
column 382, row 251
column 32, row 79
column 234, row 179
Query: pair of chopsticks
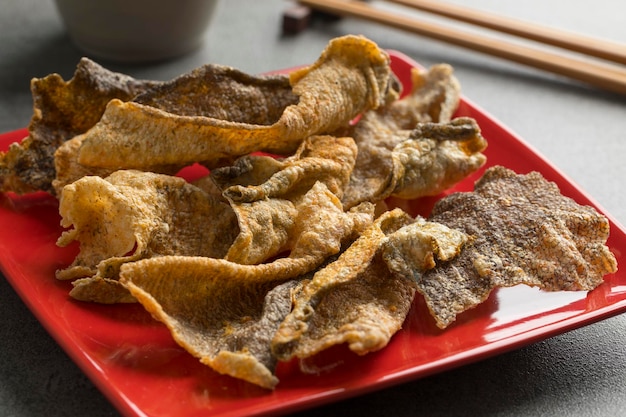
column 605, row 75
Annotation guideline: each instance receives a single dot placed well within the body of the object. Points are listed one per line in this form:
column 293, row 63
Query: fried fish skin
column 224, row 312
column 208, row 91
column 319, row 158
column 215, row 308
column 419, row 246
column 215, row 311
column 313, row 225
column 437, row 156
column 435, row 97
column 423, row 162
column 66, row 166
column 223, row 92
column 406, row 148
column 153, row 215
column 286, row 343
column 270, row 213
column 264, row 230
column 521, row 231
column 351, row 76
column 61, row 110
column 363, row 297
column 132, row 215
column 364, row 314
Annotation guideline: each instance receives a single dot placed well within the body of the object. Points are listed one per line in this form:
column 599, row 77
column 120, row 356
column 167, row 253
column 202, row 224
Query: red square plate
column 143, row 372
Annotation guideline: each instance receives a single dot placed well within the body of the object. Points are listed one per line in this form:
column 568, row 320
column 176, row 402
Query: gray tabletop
column 581, row 130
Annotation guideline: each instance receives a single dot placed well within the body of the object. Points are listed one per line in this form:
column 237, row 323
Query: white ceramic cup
column 136, row 30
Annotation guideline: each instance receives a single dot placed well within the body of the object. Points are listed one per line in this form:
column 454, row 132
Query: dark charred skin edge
column 61, row 110
column 223, row 92
column 461, row 128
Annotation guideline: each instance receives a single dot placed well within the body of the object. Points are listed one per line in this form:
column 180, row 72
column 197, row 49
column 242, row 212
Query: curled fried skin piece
column 436, row 157
column 214, row 312
column 132, row 215
column 60, row 112
column 269, row 214
column 67, row 168
column 351, row 76
column 363, row 297
column 325, row 159
column 363, row 313
column 209, row 91
column 392, row 148
column 354, row 300
column 313, row 225
column 423, row 162
column 521, row 231
column 435, row 96
column 264, row 230
column 213, row 306
column 418, row 247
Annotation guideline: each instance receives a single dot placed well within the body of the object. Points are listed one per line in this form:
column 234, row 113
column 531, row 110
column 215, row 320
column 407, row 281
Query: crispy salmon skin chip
column 521, row 231
column 411, row 147
column 363, row 297
column 352, row 75
column 214, row 311
column 132, row 215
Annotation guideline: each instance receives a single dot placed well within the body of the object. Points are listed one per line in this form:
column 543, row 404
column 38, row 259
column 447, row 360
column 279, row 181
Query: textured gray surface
column 581, row 130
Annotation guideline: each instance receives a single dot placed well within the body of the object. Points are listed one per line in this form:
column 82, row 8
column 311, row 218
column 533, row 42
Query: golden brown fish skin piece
column 354, row 300
column 209, row 91
column 264, row 230
column 433, row 98
column 424, row 162
column 436, row 157
column 101, row 290
column 312, row 225
column 418, row 247
column 361, row 65
column 61, row 110
column 326, row 159
column 161, row 215
column 215, row 311
column 364, row 313
column 350, row 77
column 322, row 228
column 269, row 213
column 363, row 297
column 228, row 295
column 522, row 231
column 68, row 169
column 132, row 215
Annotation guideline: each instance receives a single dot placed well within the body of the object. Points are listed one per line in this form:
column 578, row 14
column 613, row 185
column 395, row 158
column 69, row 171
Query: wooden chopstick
column 606, row 76
column 599, row 48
